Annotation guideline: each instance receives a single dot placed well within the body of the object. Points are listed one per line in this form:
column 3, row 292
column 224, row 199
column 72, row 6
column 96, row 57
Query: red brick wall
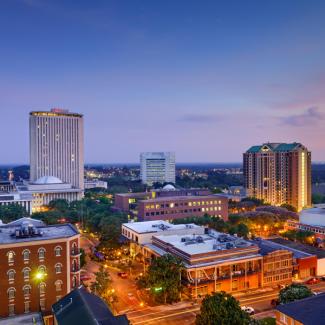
column 51, row 277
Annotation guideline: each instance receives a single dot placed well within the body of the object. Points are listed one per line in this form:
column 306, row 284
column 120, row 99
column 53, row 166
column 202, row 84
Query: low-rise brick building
column 39, row 265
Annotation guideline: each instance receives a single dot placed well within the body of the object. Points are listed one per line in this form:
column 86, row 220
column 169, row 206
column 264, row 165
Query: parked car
column 248, row 310
column 122, row 275
column 312, row 281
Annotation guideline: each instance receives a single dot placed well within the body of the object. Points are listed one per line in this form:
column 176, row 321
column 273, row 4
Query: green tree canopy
column 294, row 292
column 164, row 278
column 221, row 309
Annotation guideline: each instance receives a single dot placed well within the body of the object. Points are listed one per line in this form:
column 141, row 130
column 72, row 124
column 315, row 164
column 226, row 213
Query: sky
column 205, row 79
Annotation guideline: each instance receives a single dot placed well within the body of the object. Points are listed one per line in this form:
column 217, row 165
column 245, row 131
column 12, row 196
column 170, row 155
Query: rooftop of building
column 308, row 311
column 307, row 249
column 185, row 198
column 55, row 112
column 202, row 244
column 275, row 147
column 48, row 180
column 25, row 319
column 267, row 247
column 83, row 307
column 319, row 210
column 27, row 230
column 157, row 226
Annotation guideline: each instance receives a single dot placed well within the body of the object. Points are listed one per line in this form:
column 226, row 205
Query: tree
column 60, row 205
column 289, row 207
column 294, row 292
column 12, row 212
column 221, row 309
column 164, row 278
column 102, row 282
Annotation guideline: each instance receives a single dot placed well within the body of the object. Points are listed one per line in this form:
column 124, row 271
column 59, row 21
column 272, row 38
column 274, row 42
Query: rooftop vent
column 26, row 230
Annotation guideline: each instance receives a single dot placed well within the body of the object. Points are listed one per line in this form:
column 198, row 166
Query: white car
column 248, row 310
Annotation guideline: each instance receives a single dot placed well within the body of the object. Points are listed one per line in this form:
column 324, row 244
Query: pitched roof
column 308, row 311
column 275, row 147
column 84, row 308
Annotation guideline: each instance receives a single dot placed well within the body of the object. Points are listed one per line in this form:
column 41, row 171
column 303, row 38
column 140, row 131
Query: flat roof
column 48, row 232
column 157, row 226
column 55, row 113
column 315, row 210
column 308, row 311
column 207, row 243
column 25, row 319
column 308, row 250
column 185, row 198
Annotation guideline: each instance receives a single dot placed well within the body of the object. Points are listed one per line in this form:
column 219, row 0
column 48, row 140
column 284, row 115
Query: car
column 122, row 275
column 312, row 281
column 248, row 310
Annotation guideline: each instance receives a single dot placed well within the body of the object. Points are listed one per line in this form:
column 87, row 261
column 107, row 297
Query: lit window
column 41, row 253
column 11, row 293
column 74, row 282
column 42, row 287
column 11, row 257
column 11, row 275
column 42, row 304
column 58, row 285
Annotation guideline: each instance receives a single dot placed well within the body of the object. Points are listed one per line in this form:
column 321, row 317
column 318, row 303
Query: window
column 11, row 275
column 27, row 306
column 42, row 269
column 26, row 255
column 58, row 251
column 27, row 290
column 41, row 253
column 58, row 268
column 42, row 287
column 58, row 285
column 74, row 282
column 11, row 293
column 11, row 257
column 26, row 273
column 42, row 304
column 11, row 310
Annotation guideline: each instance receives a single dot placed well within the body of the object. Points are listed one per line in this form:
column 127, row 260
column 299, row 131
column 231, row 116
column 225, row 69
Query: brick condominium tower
column 39, row 265
column 279, row 173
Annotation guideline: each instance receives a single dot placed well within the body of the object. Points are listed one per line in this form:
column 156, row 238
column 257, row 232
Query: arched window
column 11, row 257
column 74, row 281
column 26, row 254
column 42, row 269
column 41, row 253
column 26, row 273
column 11, row 293
column 42, row 287
column 27, row 290
column 11, row 275
column 58, row 268
column 58, row 285
column 74, row 266
column 58, row 250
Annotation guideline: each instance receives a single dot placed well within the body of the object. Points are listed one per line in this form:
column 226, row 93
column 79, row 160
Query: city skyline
column 208, row 84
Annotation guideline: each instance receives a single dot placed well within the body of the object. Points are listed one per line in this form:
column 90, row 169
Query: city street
column 185, row 312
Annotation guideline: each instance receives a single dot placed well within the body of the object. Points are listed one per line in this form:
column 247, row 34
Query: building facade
column 40, row 264
column 57, row 146
column 279, row 173
column 169, row 208
column 157, row 167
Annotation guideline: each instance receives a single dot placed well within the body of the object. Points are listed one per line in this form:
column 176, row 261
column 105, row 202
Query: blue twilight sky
column 205, row 79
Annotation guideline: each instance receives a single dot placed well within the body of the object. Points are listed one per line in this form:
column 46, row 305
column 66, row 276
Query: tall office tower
column 279, row 173
column 57, row 146
column 157, row 167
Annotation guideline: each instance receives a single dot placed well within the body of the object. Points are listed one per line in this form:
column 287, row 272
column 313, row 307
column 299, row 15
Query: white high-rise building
column 157, row 167
column 57, row 146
